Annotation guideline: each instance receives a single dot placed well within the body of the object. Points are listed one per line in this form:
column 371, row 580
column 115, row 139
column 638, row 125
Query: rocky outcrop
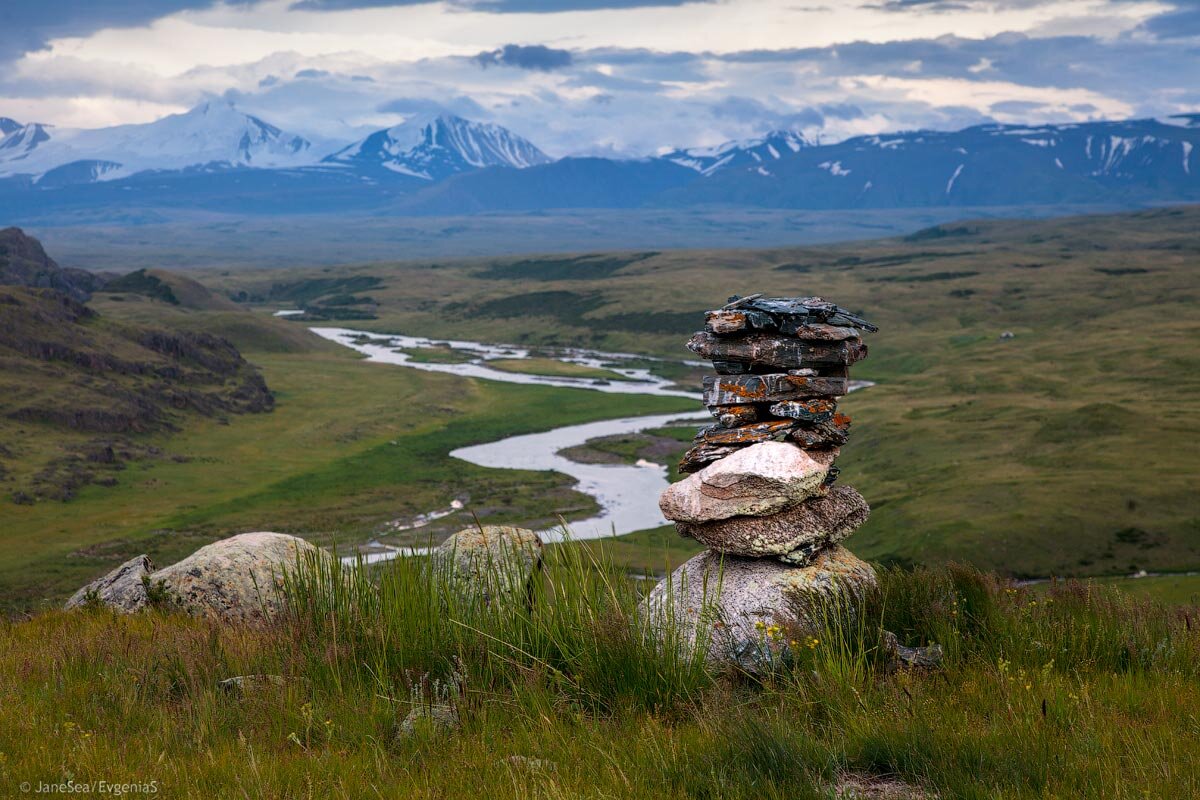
column 23, row 262
column 239, row 579
column 492, row 562
column 791, row 535
column 748, row 607
column 123, row 589
column 754, row 481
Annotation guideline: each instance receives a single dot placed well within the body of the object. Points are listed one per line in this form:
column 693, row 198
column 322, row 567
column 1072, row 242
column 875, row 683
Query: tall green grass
column 1074, row 691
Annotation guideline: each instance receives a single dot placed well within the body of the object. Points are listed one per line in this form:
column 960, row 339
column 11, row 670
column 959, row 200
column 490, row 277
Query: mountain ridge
column 449, row 165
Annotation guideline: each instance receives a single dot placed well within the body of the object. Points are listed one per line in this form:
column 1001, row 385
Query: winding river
column 627, row 494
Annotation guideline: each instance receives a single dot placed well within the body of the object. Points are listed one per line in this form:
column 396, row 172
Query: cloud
column 535, row 57
column 462, row 106
column 499, row 6
column 312, row 73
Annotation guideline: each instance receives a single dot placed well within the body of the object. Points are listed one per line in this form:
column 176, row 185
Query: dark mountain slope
column 568, row 183
column 23, row 262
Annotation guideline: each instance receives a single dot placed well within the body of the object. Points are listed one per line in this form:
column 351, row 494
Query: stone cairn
column 761, row 492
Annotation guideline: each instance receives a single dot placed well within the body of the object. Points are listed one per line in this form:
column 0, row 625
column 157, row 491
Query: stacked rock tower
column 762, row 494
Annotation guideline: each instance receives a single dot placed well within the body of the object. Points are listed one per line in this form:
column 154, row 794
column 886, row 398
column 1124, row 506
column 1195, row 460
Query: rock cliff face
column 23, row 262
column 67, row 372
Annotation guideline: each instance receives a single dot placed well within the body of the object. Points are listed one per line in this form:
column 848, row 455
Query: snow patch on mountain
column 749, row 153
column 214, row 134
column 434, row 148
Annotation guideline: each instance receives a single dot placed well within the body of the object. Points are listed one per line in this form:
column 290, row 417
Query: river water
column 627, row 494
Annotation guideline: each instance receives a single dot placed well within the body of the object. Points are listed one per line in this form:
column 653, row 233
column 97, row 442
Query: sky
column 608, row 77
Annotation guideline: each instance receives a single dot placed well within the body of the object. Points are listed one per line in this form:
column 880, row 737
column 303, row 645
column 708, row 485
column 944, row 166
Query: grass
column 437, row 355
column 1076, row 692
column 554, row 368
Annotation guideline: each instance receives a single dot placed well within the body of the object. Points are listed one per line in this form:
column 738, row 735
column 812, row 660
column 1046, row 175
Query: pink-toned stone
column 754, row 481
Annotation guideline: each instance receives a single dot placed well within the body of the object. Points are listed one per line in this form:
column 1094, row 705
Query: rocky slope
column 77, row 390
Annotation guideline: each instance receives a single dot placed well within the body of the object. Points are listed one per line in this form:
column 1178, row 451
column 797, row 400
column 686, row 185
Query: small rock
column 535, row 764
column 493, row 561
column 754, row 594
column 436, row 719
column 925, row 657
column 123, row 589
column 238, row 579
column 793, row 535
column 852, row 786
column 246, row 683
column 754, row 481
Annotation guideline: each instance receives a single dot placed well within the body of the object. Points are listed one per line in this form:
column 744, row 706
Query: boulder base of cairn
column 755, row 594
column 123, row 589
column 754, row 481
column 493, row 562
column 239, row 579
column 793, row 535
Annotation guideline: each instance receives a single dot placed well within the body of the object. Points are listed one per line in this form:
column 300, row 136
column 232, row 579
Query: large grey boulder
column 737, row 602
column 754, row 481
column 793, row 535
column 123, row 589
column 491, row 562
column 239, row 579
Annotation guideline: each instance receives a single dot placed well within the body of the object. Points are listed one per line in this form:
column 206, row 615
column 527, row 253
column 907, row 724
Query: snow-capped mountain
column 437, row 147
column 21, row 142
column 756, row 154
column 1112, row 162
column 8, row 125
column 213, row 135
column 440, row 166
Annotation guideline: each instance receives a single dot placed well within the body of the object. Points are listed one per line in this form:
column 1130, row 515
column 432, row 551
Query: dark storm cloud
column 27, row 25
column 535, row 57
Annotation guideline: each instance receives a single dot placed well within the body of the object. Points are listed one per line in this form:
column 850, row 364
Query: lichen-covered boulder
column 492, row 562
column 745, row 606
column 794, row 535
column 239, row 579
column 754, row 481
column 123, row 589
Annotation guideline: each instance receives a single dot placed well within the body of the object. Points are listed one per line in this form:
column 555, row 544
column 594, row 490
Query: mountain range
column 218, row 157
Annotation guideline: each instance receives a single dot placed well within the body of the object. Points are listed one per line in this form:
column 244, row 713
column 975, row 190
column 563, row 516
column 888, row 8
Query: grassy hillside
column 78, row 390
column 1057, row 450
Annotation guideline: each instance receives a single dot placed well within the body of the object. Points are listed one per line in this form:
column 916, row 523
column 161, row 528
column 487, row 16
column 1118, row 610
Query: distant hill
column 71, row 376
column 77, row 388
